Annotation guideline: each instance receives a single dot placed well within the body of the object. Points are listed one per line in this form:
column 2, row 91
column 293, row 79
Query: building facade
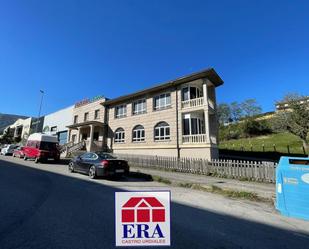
column 177, row 118
column 20, row 129
column 56, row 123
column 87, row 124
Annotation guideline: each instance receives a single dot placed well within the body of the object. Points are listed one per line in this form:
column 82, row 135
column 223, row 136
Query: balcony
column 192, row 103
column 194, row 139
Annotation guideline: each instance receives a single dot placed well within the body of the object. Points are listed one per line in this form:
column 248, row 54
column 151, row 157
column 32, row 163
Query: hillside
column 281, row 141
column 7, row 119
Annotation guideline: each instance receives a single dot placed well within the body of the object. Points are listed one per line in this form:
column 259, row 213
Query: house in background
column 285, row 106
column 20, row 129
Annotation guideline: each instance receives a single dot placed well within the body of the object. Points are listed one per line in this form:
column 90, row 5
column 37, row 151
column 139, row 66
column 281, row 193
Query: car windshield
column 104, row 155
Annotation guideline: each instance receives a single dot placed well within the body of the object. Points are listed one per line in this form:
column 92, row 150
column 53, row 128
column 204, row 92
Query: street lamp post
column 37, row 122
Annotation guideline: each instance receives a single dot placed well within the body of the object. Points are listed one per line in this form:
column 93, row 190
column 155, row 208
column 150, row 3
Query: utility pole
column 38, row 120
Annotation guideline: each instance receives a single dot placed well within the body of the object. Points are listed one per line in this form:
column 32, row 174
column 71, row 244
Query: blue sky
column 78, row 49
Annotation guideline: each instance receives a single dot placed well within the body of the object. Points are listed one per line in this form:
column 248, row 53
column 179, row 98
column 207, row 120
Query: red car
column 41, row 147
column 19, row 152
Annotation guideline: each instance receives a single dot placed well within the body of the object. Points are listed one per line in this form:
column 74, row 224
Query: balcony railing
column 192, row 103
column 194, row 139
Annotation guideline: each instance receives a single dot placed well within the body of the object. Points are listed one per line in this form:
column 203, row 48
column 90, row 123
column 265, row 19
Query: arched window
column 138, row 134
column 162, row 131
column 119, row 135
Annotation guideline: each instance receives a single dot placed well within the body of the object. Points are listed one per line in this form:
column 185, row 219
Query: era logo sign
column 142, row 218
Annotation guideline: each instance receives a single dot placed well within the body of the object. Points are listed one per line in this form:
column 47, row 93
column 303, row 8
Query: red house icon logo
column 143, row 209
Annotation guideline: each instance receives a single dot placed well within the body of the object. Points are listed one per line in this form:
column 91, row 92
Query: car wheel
column 36, row 160
column 92, row 174
column 71, row 167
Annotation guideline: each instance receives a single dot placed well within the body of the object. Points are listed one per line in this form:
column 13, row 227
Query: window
column 162, row 131
column 89, row 156
column 47, row 146
column 121, row 111
column 63, row 136
column 75, row 119
column 86, row 116
column 138, row 134
column 193, row 126
column 191, row 93
column 96, row 114
column 119, row 135
column 104, row 155
column 162, row 101
column 139, row 107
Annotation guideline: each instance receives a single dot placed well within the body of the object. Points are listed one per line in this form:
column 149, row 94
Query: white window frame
column 141, row 111
column 137, row 134
column 119, row 136
column 165, row 104
column 123, row 113
column 164, row 136
column 198, row 92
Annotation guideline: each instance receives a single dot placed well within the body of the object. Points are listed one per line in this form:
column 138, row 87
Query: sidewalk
column 262, row 190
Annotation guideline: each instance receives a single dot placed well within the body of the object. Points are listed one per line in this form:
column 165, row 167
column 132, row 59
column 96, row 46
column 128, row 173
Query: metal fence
column 245, row 170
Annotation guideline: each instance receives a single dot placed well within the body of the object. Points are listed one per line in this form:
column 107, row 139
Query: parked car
column 19, row 152
column 97, row 164
column 8, row 149
column 41, row 147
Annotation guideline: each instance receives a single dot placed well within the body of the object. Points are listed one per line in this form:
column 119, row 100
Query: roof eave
column 210, row 73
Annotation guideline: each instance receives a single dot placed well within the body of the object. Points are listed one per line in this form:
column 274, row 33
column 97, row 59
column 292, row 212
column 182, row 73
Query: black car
column 97, row 164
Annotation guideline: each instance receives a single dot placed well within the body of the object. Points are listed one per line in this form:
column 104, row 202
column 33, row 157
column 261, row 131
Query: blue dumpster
column 292, row 187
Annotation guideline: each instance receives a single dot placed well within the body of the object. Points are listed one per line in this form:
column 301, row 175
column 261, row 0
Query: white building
column 55, row 123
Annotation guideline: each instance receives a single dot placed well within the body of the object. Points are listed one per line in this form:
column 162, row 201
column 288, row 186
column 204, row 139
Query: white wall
column 61, row 119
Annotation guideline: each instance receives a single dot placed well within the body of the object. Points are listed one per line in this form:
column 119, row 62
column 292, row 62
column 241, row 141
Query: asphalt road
column 44, row 209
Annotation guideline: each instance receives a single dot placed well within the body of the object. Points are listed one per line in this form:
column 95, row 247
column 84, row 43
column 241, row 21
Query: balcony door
column 191, row 92
column 193, row 126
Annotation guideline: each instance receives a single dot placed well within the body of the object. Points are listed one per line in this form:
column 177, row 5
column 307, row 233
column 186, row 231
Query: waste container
column 292, row 187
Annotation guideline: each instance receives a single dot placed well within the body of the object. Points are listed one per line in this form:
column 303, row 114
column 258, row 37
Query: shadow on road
column 40, row 209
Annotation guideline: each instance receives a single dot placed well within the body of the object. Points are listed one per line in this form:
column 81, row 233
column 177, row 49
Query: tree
column 250, row 108
column 7, row 137
column 236, row 112
column 224, row 113
column 294, row 118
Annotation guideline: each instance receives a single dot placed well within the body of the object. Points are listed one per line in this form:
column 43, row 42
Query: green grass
column 280, row 140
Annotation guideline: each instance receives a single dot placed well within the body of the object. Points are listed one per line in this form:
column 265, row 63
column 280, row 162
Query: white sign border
column 145, row 191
